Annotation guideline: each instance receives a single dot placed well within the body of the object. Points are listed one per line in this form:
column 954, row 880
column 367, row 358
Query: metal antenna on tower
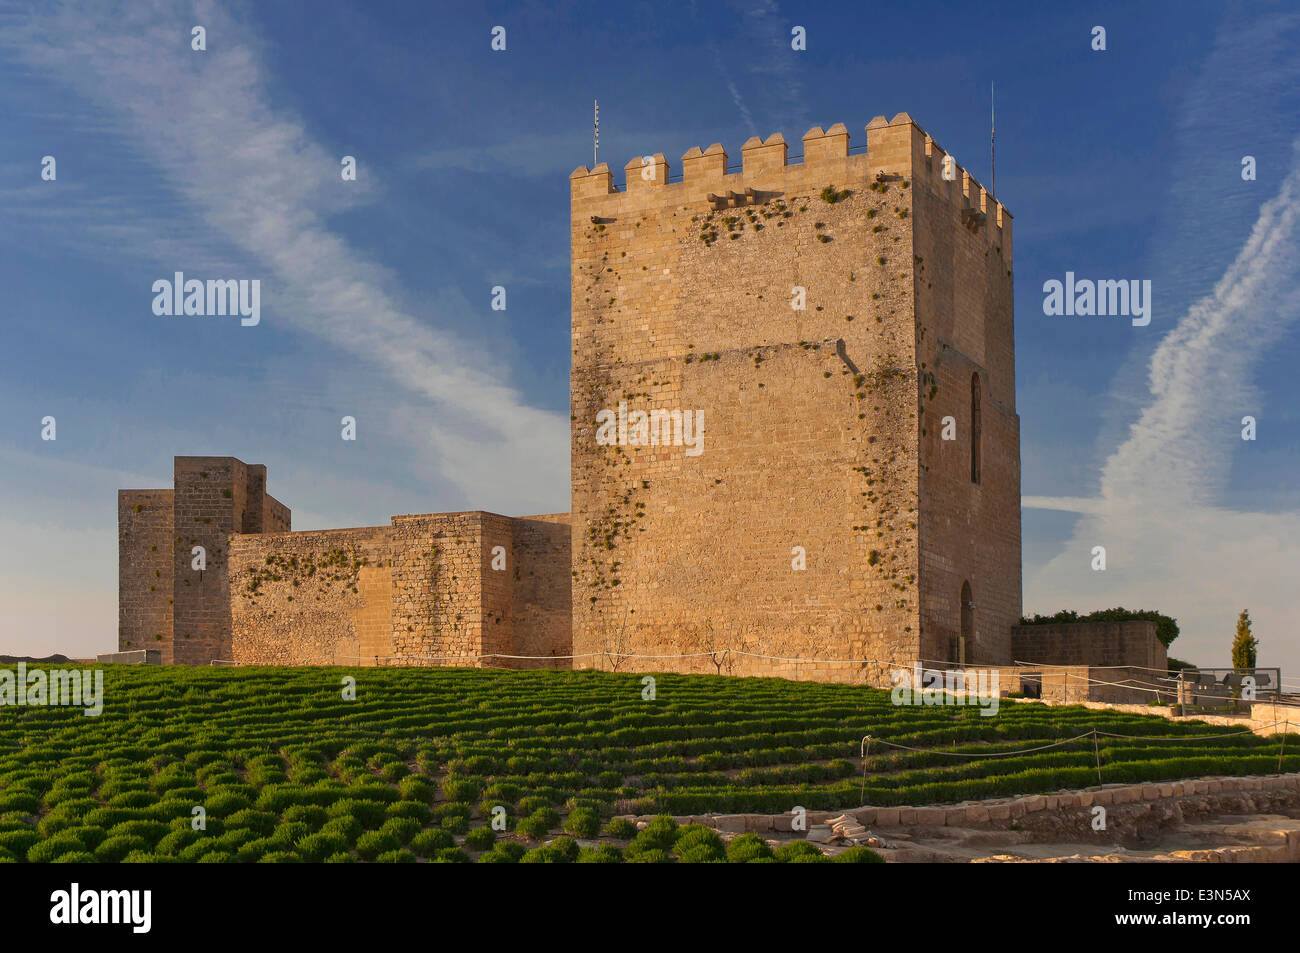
column 595, row 130
column 993, row 127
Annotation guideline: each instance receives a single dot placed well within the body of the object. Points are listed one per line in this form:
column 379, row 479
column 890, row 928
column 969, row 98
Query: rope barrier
column 1095, row 733
column 725, row 653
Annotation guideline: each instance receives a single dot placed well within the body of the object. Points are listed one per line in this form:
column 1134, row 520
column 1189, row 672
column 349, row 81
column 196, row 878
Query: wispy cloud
column 1168, row 542
column 250, row 172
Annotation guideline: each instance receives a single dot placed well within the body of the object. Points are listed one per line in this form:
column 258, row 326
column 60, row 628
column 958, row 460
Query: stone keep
column 824, row 425
column 837, row 332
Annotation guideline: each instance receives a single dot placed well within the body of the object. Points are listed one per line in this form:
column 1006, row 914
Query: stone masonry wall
column 541, row 569
column 210, row 500
column 419, row 592
column 144, row 578
column 438, row 611
column 313, row 598
column 970, row 531
column 811, row 430
column 1132, row 643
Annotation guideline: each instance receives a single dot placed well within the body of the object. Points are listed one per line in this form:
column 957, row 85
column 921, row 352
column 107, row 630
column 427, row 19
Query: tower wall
column 810, row 415
column 144, row 578
column 209, row 492
column 970, row 532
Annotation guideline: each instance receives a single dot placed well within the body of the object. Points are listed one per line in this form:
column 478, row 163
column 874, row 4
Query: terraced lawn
column 419, row 764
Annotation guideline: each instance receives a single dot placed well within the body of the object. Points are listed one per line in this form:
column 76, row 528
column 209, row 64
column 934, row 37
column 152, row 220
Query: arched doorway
column 965, row 644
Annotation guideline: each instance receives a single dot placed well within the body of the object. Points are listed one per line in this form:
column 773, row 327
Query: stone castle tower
column 840, row 330
column 793, row 435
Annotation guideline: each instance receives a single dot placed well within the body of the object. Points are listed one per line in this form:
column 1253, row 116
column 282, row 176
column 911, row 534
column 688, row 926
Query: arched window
column 976, row 427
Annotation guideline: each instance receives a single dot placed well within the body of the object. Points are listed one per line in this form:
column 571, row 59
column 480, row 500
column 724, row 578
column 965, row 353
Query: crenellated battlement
column 896, row 149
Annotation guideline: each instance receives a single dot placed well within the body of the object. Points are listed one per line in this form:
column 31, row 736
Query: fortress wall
column 498, row 588
column 665, row 315
column 541, row 573
column 210, row 501
column 969, row 532
column 1131, row 643
column 312, row 598
column 438, row 609
column 144, row 577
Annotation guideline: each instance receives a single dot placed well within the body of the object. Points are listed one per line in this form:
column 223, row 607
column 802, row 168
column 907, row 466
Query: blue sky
column 1116, row 164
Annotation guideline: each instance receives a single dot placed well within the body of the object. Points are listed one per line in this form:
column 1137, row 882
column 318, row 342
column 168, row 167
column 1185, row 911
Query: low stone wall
column 1075, row 684
column 133, row 657
column 1247, row 794
column 1106, row 644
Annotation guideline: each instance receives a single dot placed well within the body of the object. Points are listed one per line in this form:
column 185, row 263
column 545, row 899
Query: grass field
column 287, row 770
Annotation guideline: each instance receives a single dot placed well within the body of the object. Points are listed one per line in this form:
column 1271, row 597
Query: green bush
column 460, row 789
column 582, row 822
column 428, row 843
column 451, row 855
column 400, row 856
column 481, row 838
column 858, row 855
column 565, row 848
column 20, row 801
column 113, row 849
column 417, row 810
column 413, row 787
column 52, row 848
column 317, row 847
column 697, row 844
column 252, row 851
column 453, row 809
column 310, row 814
column 455, row 823
column 402, row 828
column 600, row 854
column 511, row 850
column 531, row 804
column 262, row 822
column 373, row 843
column 225, row 803
column 620, row 828
column 799, row 851
column 280, row 857
column 173, row 842
column 651, row 856
column 217, row 857
column 660, row 835
column 347, row 827
column 538, row 824
column 747, row 848
column 542, row 855
column 370, row 814
column 288, row 834
column 92, row 837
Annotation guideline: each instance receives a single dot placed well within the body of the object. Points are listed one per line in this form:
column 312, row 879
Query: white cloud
column 256, row 179
column 1168, row 545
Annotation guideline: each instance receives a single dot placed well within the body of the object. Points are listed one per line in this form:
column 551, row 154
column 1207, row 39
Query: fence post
column 863, row 750
column 1096, row 751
